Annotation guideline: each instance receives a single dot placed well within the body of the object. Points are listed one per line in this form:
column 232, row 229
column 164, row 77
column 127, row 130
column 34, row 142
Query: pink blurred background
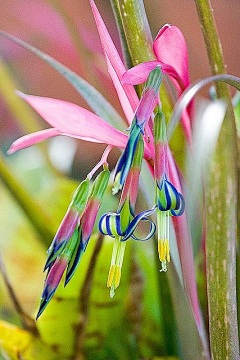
column 39, row 23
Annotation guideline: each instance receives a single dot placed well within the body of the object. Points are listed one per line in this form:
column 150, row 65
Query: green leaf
column 236, row 104
column 205, row 137
column 93, row 97
column 192, row 344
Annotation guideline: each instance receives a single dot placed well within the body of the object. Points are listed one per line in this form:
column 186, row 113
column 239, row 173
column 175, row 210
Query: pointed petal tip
column 20, row 94
column 11, row 150
column 68, row 278
column 42, row 307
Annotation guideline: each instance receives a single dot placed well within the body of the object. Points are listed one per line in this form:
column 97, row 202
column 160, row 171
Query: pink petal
column 139, row 73
column 31, row 139
column 111, row 52
column 75, row 121
column 128, row 111
column 170, row 48
column 112, row 55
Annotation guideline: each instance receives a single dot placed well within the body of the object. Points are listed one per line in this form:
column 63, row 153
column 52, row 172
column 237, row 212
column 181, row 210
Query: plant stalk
column 221, row 211
column 136, row 29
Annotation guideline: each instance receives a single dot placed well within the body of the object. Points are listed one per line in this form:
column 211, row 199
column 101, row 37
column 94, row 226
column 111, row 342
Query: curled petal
column 170, row 48
column 139, row 73
column 151, row 232
column 134, row 223
column 167, row 196
column 180, row 210
column 110, row 224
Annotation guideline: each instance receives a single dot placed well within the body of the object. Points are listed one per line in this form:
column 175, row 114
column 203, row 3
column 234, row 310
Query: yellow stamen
column 167, row 251
column 117, row 276
column 163, row 250
column 114, row 274
column 111, row 276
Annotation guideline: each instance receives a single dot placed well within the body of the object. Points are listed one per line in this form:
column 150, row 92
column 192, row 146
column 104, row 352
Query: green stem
column 136, row 29
column 35, row 213
column 221, row 211
column 124, row 45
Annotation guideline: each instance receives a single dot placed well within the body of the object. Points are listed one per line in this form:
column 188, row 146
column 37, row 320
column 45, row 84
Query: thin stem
column 27, row 322
column 221, row 211
column 124, row 45
column 102, row 162
column 35, row 213
column 136, row 29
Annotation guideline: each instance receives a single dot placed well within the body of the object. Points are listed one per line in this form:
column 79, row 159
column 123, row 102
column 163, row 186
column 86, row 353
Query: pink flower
column 171, row 54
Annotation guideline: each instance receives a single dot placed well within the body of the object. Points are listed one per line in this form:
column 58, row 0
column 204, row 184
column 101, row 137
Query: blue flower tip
column 42, row 307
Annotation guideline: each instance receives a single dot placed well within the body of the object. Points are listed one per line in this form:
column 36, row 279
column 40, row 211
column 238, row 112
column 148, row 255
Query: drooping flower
column 69, row 223
column 143, row 112
column 73, row 235
column 168, row 200
column 122, row 224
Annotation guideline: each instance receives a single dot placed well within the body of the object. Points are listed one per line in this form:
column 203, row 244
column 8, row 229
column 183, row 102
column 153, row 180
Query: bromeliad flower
column 121, row 225
column 144, row 110
column 73, row 235
column 168, row 200
column 171, row 53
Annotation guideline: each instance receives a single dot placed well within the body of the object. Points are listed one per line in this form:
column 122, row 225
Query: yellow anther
column 163, row 250
column 117, row 276
column 167, row 251
column 111, row 276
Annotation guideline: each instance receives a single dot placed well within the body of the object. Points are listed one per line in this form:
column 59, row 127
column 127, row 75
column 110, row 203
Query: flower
column 171, row 54
column 143, row 112
column 73, row 235
column 122, row 224
column 168, row 200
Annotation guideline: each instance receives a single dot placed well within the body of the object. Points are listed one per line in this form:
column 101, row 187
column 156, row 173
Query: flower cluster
column 147, row 141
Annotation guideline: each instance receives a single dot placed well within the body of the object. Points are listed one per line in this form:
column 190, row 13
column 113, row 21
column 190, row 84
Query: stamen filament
column 114, row 274
column 163, row 221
